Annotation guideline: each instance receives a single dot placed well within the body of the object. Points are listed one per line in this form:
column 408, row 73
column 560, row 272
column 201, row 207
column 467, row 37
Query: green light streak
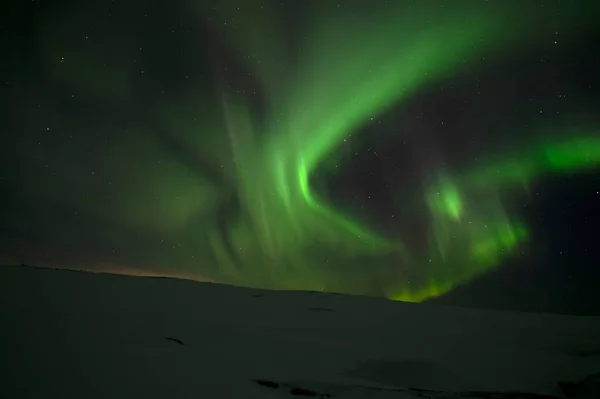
column 337, row 81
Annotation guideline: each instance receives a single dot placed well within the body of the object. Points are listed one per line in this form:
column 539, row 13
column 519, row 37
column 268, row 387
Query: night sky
column 443, row 151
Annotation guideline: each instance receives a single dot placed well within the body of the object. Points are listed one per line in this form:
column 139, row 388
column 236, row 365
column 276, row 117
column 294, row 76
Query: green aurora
column 339, row 80
column 348, row 64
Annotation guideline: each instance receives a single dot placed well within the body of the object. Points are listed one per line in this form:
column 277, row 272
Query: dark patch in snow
column 267, row 383
column 302, row 392
column 297, row 390
column 177, row 341
column 292, row 389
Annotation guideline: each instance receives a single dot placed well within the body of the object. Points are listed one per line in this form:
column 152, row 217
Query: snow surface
column 70, row 334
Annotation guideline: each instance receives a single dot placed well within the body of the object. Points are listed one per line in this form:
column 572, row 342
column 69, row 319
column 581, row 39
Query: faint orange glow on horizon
column 111, row 268
column 104, row 267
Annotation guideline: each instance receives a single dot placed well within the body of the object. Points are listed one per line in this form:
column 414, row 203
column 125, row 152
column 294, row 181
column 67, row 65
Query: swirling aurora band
column 340, row 79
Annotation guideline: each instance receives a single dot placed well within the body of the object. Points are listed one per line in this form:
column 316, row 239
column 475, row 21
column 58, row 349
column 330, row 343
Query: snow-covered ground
column 68, row 334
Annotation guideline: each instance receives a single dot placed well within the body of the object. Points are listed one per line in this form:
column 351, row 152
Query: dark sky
column 454, row 147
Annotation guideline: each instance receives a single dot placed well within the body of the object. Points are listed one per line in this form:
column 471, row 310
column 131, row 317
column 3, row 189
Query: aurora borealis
column 199, row 140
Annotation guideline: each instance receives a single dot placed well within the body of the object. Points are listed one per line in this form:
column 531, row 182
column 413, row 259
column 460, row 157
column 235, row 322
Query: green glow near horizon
column 349, row 68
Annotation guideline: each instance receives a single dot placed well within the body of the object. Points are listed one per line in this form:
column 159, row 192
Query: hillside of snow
column 69, row 334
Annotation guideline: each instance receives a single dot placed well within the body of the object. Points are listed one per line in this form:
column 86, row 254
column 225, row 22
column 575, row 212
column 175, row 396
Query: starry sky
column 443, row 151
